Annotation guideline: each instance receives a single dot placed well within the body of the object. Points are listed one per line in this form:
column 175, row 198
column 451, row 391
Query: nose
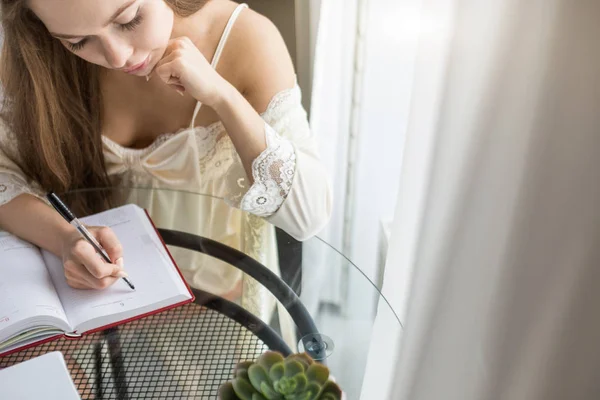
column 116, row 52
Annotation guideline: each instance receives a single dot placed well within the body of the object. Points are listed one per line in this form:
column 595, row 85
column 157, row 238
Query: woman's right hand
column 84, row 268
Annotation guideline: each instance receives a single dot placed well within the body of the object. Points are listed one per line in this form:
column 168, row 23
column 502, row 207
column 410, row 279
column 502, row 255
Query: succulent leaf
column 270, row 358
column 226, row 392
column 270, row 393
column 299, row 396
column 273, row 377
column 314, row 390
column 301, row 382
column 243, row 389
column 257, row 375
column 318, row 373
column 285, row 386
column 330, row 391
column 302, row 358
column 292, row 368
column 243, row 365
column 276, row 372
column 241, row 370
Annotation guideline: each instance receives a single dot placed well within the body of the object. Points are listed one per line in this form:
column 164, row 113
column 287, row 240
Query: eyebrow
column 114, row 16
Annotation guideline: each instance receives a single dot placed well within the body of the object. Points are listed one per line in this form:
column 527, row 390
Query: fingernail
column 147, row 78
column 122, row 274
column 119, row 262
column 180, row 92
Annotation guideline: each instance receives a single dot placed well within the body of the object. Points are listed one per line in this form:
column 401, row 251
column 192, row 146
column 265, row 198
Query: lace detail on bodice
column 215, row 160
column 217, row 169
column 206, row 137
column 273, row 172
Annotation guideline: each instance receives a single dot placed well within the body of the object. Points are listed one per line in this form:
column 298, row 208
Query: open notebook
column 37, row 304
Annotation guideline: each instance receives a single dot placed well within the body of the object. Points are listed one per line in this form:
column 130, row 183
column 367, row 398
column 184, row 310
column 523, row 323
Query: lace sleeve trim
column 273, row 171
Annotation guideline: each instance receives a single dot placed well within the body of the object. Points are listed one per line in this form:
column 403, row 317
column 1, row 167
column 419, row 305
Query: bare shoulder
column 260, row 59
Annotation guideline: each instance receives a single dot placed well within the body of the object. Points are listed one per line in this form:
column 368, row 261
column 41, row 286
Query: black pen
column 71, row 219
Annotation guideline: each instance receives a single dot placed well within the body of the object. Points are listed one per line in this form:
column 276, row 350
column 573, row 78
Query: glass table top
column 236, row 317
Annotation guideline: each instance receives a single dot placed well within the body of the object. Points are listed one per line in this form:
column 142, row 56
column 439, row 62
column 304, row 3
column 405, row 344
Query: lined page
column 26, row 290
column 156, row 280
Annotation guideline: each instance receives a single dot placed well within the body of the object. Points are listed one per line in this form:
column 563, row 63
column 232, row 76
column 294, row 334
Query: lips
column 138, row 67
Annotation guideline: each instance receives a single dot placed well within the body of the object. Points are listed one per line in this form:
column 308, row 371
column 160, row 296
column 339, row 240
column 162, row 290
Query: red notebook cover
column 77, row 335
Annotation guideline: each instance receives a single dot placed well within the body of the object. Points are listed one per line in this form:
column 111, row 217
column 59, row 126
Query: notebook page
column 52, row 380
column 155, row 277
column 26, row 290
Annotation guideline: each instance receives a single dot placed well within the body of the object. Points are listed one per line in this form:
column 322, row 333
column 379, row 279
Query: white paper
column 26, row 289
column 48, row 373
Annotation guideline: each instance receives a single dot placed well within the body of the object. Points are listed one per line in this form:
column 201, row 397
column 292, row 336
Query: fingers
column 170, row 73
column 84, row 253
column 79, row 277
column 84, row 268
column 167, row 58
column 169, row 68
column 178, row 43
column 173, row 45
column 179, row 65
column 110, row 243
column 174, row 51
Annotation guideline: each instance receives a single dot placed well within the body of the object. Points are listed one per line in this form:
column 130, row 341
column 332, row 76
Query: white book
column 37, row 304
column 52, row 380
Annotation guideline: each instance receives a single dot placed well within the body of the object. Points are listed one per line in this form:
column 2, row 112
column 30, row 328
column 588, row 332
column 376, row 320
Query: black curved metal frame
column 250, row 266
column 282, row 292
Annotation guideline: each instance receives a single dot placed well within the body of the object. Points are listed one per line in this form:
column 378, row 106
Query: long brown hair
column 52, row 104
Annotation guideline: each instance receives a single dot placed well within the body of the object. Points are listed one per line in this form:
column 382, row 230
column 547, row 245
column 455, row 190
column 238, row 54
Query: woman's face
column 126, row 35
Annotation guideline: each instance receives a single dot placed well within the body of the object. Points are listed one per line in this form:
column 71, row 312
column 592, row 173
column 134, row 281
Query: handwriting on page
column 120, row 302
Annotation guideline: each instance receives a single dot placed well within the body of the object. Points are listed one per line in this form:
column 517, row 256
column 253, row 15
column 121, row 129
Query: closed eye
column 77, row 46
column 134, row 23
column 129, row 26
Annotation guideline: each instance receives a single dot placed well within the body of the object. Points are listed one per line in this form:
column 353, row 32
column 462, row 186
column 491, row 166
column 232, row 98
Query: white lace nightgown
column 290, row 189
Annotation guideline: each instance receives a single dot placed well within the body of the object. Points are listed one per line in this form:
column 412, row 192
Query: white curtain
column 495, row 259
column 333, row 74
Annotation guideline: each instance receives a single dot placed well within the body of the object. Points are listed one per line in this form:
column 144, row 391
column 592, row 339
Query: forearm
column 31, row 219
column 244, row 125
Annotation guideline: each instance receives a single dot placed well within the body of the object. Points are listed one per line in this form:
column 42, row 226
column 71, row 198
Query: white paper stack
column 45, row 377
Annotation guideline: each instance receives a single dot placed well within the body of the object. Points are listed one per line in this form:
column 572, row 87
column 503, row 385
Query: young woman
column 190, row 95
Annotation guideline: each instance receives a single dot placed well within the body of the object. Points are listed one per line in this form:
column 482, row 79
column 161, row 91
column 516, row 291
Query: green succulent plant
column 273, row 377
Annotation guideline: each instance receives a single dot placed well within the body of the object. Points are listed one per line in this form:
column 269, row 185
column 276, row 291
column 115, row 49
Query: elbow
column 304, row 213
column 313, row 220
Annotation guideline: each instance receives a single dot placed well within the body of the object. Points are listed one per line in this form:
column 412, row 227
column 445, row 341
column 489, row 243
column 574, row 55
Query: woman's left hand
column 185, row 69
